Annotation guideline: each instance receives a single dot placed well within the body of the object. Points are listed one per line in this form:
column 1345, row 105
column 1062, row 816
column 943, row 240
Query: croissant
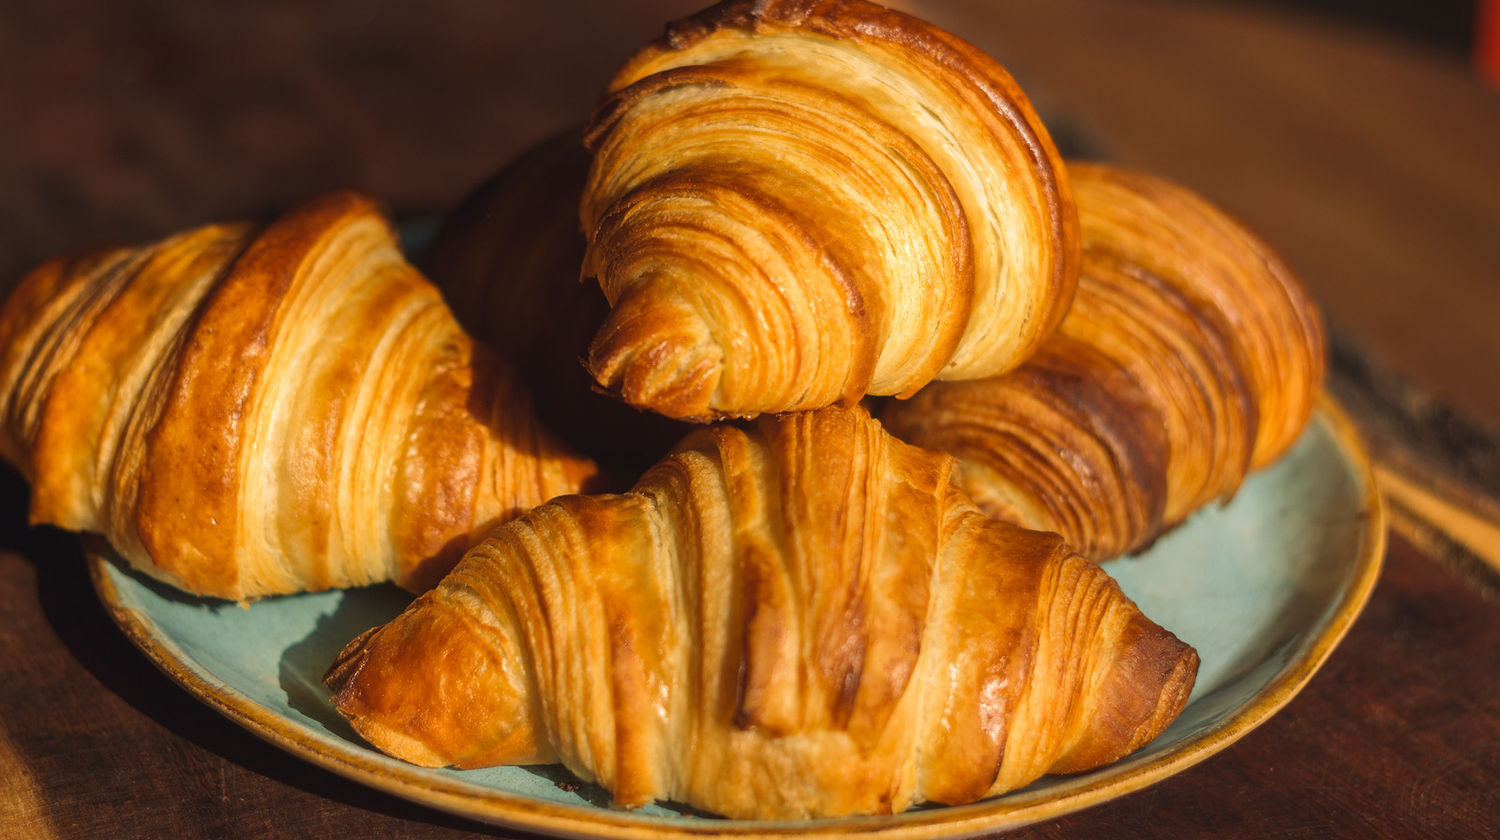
column 507, row 261
column 799, row 202
column 245, row 410
column 1190, row 356
column 805, row 618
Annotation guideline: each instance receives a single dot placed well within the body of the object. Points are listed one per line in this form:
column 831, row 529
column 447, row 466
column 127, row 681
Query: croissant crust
column 803, row 618
column 1190, row 356
column 247, row 410
column 777, row 228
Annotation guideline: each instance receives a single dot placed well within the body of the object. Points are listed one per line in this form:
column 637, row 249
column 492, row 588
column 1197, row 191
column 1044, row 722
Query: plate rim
column 508, row 809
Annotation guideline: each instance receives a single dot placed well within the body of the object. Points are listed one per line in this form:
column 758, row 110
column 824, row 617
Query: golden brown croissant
column 805, row 618
column 1191, row 355
column 246, row 410
column 507, row 260
column 798, row 202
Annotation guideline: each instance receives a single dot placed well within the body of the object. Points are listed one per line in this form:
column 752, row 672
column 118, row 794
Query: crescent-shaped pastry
column 245, row 411
column 805, row 618
column 799, row 202
column 1190, row 356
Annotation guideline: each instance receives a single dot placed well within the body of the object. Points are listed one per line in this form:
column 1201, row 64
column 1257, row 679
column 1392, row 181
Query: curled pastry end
column 658, row 355
column 467, row 682
column 1149, row 677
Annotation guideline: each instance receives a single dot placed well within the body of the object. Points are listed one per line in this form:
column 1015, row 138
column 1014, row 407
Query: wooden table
column 1373, row 167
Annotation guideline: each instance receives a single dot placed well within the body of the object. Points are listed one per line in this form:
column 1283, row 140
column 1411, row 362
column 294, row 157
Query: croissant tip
column 1148, row 682
column 347, row 664
column 1163, row 666
column 667, row 366
column 1181, row 684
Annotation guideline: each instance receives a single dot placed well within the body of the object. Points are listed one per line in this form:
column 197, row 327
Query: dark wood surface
column 1371, row 164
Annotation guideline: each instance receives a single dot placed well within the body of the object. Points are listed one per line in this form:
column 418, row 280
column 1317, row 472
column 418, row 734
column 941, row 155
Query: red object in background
column 1487, row 41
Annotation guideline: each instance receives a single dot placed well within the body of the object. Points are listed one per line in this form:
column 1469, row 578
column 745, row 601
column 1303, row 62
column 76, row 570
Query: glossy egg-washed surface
column 1263, row 588
column 801, row 619
column 246, row 410
column 797, row 203
column 1190, row 356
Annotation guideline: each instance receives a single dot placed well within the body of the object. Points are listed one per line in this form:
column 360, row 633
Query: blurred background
column 1448, row 25
column 1359, row 137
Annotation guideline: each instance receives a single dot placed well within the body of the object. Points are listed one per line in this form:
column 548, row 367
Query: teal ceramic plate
column 1263, row 588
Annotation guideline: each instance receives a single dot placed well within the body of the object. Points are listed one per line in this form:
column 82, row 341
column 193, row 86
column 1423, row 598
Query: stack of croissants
column 754, row 448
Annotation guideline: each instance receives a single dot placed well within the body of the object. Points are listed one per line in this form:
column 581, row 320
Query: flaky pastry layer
column 800, row 202
column 1190, row 356
column 248, row 410
column 805, row 618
